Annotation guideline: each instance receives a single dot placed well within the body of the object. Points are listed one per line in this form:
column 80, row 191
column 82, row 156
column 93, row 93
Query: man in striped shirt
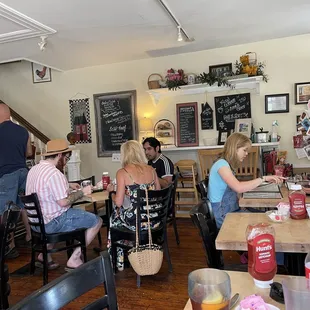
column 162, row 164
column 56, row 196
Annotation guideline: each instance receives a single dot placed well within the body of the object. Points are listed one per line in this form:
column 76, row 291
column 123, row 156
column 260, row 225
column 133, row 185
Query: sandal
column 50, row 266
column 69, row 269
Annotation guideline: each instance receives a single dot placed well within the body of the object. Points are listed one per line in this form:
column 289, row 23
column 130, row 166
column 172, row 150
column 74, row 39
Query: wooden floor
column 162, row 291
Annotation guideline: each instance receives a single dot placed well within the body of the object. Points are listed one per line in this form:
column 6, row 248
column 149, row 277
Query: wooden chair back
column 207, row 159
column 208, row 232
column 249, row 165
column 8, row 222
column 72, row 285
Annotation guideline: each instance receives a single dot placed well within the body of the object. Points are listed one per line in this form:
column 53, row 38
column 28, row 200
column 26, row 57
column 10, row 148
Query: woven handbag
column 145, row 259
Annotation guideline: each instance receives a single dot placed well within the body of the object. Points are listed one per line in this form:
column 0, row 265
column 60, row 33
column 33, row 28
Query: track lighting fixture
column 42, row 44
column 180, row 37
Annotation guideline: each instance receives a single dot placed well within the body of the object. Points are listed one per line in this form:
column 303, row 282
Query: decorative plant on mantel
column 250, row 67
column 175, row 79
column 211, row 79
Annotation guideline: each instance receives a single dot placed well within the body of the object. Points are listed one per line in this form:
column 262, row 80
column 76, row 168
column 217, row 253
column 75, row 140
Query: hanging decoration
column 80, row 120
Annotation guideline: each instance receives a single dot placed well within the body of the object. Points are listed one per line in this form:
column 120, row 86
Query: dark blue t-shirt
column 13, row 147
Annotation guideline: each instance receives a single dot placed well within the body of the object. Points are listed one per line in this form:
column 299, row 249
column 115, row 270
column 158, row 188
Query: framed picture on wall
column 243, row 126
column 221, row 70
column 277, row 103
column 222, row 137
column 40, row 73
column 302, row 92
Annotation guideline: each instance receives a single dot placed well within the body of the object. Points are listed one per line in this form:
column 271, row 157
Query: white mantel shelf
column 242, row 83
column 204, row 147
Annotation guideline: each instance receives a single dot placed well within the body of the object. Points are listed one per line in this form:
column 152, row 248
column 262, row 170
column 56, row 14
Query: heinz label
column 265, row 261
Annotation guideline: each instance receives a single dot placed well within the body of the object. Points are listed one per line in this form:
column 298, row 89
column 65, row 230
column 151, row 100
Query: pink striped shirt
column 50, row 185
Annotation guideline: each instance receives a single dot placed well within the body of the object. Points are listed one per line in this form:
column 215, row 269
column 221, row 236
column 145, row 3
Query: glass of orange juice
column 209, row 289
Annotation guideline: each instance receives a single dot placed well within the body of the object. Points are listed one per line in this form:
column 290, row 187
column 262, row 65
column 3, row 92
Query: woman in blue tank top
column 224, row 187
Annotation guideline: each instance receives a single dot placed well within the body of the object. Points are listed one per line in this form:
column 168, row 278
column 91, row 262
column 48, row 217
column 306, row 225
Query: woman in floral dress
column 135, row 174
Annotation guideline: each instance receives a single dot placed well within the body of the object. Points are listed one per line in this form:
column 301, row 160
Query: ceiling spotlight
column 180, row 37
column 42, row 44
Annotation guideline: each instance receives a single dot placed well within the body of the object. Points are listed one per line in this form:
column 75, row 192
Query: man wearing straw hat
column 56, row 198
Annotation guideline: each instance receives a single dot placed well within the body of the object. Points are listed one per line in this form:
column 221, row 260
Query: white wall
column 46, row 105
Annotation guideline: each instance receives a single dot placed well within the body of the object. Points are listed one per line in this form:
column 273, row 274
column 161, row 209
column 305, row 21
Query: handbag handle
column 148, row 221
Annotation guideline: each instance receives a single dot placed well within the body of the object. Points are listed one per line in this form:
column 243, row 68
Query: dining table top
column 267, row 202
column 291, row 236
column 242, row 283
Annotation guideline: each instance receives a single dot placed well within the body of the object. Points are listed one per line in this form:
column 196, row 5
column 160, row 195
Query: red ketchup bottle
column 105, row 180
column 262, row 264
column 297, row 199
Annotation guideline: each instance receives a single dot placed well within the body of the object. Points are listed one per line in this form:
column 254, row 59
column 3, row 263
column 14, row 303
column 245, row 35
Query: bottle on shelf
column 297, row 200
column 105, row 180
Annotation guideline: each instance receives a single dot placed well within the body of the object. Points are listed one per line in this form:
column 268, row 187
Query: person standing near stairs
column 15, row 146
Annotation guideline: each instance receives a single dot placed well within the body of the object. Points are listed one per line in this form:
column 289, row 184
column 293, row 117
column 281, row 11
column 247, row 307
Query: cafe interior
column 190, row 74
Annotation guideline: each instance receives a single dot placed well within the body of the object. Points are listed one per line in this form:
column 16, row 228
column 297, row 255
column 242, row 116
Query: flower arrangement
column 175, row 79
column 250, row 68
column 211, row 79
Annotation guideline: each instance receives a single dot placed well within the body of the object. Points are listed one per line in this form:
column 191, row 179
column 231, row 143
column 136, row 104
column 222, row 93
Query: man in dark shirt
column 162, row 164
column 15, row 146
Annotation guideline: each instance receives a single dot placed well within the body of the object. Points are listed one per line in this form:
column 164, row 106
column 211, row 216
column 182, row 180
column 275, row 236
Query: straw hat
column 56, row 146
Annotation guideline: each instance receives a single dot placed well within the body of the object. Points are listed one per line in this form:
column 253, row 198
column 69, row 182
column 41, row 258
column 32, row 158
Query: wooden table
column 242, row 283
column 291, row 236
column 100, row 196
column 267, row 203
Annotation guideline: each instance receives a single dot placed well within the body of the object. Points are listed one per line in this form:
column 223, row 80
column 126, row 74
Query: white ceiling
column 96, row 32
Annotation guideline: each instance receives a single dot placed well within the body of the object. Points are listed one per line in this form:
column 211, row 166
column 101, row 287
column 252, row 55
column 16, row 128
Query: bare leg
column 90, row 234
column 49, row 256
column 27, row 226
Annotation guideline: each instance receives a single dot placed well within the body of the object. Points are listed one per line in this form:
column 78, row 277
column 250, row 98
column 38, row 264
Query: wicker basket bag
column 146, row 259
column 154, row 83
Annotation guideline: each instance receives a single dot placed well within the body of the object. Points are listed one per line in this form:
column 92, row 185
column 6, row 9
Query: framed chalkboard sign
column 206, row 116
column 187, row 124
column 115, row 115
column 232, row 107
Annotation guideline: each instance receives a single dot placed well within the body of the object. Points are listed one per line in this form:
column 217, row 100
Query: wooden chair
column 208, row 231
column 159, row 234
column 207, row 159
column 171, row 214
column 8, row 224
column 41, row 239
column 248, row 169
column 72, row 285
column 188, row 177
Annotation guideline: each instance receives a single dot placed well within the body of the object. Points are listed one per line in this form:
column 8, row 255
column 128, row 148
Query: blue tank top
column 13, row 144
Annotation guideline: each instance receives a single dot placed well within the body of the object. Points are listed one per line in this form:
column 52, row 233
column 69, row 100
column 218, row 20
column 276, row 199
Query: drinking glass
column 209, row 289
column 296, row 293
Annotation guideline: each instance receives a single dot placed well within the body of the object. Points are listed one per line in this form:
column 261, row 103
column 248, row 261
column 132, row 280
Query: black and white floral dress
column 126, row 215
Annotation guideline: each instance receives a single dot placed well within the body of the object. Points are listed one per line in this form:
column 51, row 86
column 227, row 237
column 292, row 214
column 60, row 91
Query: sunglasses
column 67, row 157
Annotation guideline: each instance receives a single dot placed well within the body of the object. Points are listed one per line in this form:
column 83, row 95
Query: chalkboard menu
column 206, row 116
column 187, row 124
column 115, row 120
column 232, row 107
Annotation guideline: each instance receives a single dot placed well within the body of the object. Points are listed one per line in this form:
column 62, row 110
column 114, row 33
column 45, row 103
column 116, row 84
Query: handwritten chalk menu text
column 232, row 107
column 187, row 124
column 115, row 121
column 206, row 116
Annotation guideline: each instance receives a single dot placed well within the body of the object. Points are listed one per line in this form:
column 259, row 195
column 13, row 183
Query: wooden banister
column 38, row 134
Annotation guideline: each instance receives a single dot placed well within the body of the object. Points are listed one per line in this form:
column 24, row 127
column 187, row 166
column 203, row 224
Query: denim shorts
column 70, row 220
column 11, row 186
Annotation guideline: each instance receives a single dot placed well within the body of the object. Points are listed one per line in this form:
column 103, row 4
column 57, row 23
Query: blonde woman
column 135, row 174
column 223, row 186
